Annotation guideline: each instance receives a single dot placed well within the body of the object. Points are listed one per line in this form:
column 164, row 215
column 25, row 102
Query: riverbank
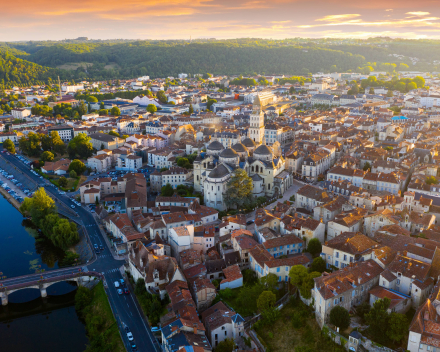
column 10, row 199
column 102, row 328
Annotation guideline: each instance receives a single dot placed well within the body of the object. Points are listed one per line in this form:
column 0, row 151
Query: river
column 28, row 322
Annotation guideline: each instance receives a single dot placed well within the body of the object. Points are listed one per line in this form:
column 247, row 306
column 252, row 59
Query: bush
column 62, row 181
column 73, row 174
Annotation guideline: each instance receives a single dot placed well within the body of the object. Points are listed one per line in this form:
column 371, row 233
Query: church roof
column 257, row 100
column 263, row 150
column 249, row 143
column 239, row 147
column 219, row 171
column 228, row 153
column 216, row 145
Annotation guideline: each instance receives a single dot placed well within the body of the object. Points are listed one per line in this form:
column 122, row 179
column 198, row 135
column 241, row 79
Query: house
column 233, row 277
column 102, row 162
column 60, row 167
column 105, row 141
column 222, row 323
column 347, row 248
column 423, row 330
column 410, row 277
column 308, row 197
column 347, row 287
column 174, row 176
column 180, row 239
column 399, row 303
column 261, row 261
column 284, row 245
column 157, row 272
column 204, row 293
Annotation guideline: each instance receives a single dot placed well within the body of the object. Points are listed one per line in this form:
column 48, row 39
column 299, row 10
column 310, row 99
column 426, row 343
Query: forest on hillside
column 34, row 62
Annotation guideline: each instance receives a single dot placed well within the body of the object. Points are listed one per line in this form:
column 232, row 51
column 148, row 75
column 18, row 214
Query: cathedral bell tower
column 256, row 129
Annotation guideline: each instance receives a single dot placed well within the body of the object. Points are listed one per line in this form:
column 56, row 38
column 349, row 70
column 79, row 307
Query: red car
column 126, row 291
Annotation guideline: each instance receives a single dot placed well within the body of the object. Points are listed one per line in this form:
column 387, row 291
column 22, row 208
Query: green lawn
column 101, row 307
column 296, row 328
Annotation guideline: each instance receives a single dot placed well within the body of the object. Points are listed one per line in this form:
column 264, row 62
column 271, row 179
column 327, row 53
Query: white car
column 130, row 336
column 73, row 207
column 116, row 284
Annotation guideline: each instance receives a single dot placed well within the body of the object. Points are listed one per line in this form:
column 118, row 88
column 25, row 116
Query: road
column 124, row 307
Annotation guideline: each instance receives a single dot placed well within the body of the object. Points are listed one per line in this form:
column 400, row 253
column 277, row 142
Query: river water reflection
column 28, row 322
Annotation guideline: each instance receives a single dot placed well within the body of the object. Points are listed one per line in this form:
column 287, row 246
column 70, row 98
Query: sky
column 221, row 19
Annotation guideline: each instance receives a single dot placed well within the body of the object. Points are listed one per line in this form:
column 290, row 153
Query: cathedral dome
column 219, row 171
column 228, row 153
column 239, row 147
column 263, row 150
column 216, row 145
column 249, row 143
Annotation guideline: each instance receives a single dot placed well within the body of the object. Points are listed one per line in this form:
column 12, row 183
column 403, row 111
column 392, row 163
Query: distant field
column 110, row 66
column 74, row 66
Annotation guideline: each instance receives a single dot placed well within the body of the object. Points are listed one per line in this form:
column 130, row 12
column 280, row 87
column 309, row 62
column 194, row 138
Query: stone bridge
column 42, row 281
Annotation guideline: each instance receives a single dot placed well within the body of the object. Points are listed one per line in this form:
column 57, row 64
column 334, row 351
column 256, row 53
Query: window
column 398, row 281
column 337, row 254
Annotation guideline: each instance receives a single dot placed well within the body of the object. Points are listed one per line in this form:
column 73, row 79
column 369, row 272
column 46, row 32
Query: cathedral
column 264, row 164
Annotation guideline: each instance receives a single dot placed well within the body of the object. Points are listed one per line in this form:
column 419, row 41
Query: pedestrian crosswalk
column 112, row 271
column 105, row 255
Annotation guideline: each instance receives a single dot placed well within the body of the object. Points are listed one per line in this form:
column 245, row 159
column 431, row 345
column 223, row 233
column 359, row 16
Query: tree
column 397, row 327
column 151, row 108
column 184, row 162
column 266, row 300
column 113, row 133
column 307, row 285
column 367, row 166
column 191, row 109
column 65, row 234
column 115, row 111
column 314, row 247
column 227, row 345
column 38, row 206
column 431, row 180
column 124, row 136
column 266, row 305
column 102, row 112
column 239, row 189
column 91, row 99
column 80, row 145
column 270, row 281
column 298, row 274
column 83, row 297
column 411, row 86
column 209, row 103
column 354, row 89
column 162, row 97
column 371, row 90
column 340, row 317
column 73, row 174
column 62, row 181
column 377, row 318
column 47, row 156
column 317, row 265
column 9, row 146
column 167, row 190
column 78, row 166
column 420, row 81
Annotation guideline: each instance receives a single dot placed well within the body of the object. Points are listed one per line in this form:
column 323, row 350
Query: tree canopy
column 81, row 146
column 239, row 189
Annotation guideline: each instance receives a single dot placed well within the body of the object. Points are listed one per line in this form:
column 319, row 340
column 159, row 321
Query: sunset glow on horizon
column 221, row 19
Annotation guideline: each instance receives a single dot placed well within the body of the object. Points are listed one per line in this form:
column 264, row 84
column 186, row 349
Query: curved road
column 126, row 310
